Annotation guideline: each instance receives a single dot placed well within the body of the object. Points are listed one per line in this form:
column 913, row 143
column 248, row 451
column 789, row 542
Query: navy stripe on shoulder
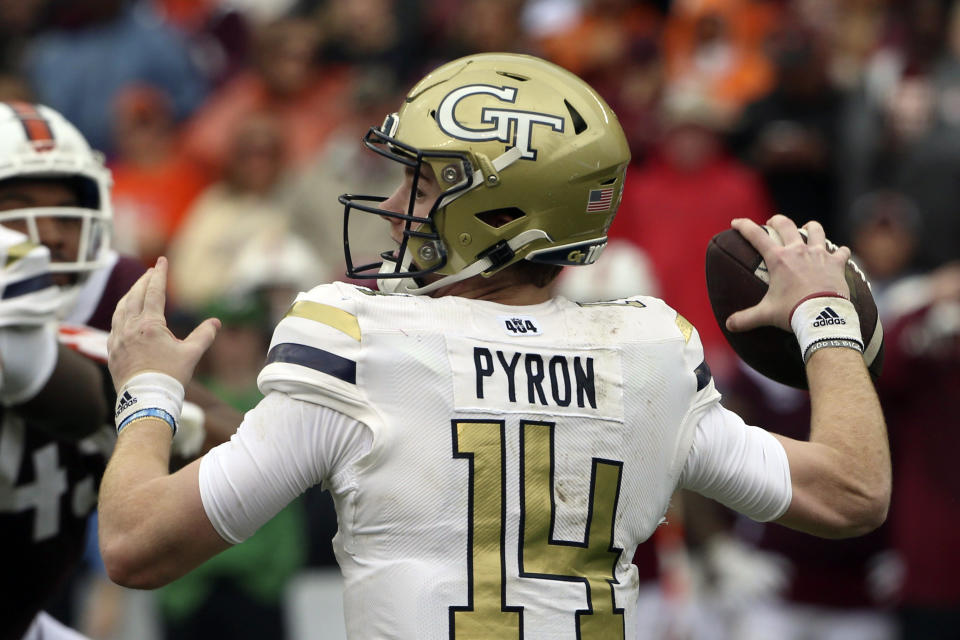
column 317, row 359
column 36, row 283
column 703, row 375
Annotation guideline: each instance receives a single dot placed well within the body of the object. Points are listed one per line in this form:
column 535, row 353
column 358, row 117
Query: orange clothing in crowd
column 731, row 65
column 307, row 117
column 150, row 203
column 598, row 41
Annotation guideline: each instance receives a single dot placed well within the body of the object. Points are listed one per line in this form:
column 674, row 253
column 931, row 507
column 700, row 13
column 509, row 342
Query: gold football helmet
column 531, row 161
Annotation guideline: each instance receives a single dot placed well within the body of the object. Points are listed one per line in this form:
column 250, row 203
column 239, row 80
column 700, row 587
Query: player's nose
column 50, row 233
column 393, row 203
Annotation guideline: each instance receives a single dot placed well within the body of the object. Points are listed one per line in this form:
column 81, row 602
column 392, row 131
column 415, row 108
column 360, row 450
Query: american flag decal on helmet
column 34, row 125
column 600, row 199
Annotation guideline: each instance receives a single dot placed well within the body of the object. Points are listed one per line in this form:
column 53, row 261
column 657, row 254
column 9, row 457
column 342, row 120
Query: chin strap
column 409, row 285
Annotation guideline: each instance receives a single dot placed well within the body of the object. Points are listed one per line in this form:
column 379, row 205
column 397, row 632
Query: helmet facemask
column 421, row 250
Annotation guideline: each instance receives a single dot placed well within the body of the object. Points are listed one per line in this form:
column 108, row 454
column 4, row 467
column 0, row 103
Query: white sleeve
column 742, row 467
column 28, row 356
column 283, row 447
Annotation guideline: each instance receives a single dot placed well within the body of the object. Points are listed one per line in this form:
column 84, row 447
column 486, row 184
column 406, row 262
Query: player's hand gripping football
column 797, row 270
column 140, row 340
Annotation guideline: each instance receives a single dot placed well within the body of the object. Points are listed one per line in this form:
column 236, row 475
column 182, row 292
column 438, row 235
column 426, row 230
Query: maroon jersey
column 47, row 490
column 48, row 487
column 829, row 573
column 919, row 385
column 103, row 291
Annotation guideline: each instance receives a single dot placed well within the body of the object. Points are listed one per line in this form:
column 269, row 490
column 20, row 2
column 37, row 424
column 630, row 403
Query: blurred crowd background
column 231, row 126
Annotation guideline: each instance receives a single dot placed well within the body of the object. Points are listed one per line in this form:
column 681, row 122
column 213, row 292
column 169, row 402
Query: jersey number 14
column 591, row 562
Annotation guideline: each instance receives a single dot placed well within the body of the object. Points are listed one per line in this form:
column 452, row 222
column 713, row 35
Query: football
column 737, row 278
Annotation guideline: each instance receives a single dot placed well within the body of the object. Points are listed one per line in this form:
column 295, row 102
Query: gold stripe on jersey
column 339, row 319
column 685, row 327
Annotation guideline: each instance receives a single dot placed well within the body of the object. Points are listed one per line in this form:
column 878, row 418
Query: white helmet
column 38, row 142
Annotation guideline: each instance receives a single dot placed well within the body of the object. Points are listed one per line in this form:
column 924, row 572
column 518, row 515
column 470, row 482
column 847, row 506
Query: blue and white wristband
column 149, row 395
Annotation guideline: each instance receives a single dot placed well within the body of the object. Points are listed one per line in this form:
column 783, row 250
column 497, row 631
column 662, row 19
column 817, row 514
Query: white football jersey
column 519, row 454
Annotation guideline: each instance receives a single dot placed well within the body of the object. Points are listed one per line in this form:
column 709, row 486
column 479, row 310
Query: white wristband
column 826, row 322
column 149, row 395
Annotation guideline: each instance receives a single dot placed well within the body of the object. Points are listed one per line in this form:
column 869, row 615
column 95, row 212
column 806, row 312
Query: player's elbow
column 861, row 510
column 130, row 565
column 838, row 504
column 868, row 510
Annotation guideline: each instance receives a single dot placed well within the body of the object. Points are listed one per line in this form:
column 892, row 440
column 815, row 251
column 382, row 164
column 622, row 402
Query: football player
column 495, row 455
column 51, row 443
column 54, row 196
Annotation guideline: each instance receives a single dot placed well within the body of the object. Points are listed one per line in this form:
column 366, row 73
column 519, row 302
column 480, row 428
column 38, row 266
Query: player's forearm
column 148, row 537
column 841, row 477
column 128, row 495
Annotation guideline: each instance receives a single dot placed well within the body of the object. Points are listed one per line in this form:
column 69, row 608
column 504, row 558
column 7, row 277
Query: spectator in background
column 377, row 34
column 905, row 147
column 786, row 135
column 285, row 81
column 275, row 272
column 602, row 37
column 900, row 132
column 18, row 21
column 91, row 50
column 153, row 182
column 484, row 25
column 930, row 175
column 14, row 88
column 344, row 166
column 851, row 31
column 613, row 45
column 217, row 30
column 232, row 214
column 684, row 194
column 946, row 74
column 771, row 582
column 884, row 226
column 238, row 594
column 717, row 46
column 919, row 386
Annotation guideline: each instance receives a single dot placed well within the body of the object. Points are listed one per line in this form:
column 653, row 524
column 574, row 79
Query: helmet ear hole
column 497, row 218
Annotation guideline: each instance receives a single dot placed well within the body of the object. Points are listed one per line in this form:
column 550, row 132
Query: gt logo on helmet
column 511, row 126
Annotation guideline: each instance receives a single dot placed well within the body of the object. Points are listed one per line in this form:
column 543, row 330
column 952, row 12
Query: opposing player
column 52, row 408
column 495, row 455
column 54, row 202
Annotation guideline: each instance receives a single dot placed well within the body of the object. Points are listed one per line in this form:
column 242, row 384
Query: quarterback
column 495, row 454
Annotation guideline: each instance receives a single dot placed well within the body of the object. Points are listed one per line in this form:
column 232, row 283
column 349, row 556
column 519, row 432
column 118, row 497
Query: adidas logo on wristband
column 827, row 317
column 126, row 401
